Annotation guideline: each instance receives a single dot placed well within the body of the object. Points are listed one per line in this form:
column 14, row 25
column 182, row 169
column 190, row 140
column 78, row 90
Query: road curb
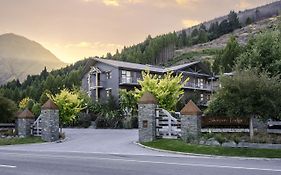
column 204, row 155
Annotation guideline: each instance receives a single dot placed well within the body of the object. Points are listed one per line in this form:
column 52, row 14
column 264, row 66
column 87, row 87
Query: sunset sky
column 74, row 29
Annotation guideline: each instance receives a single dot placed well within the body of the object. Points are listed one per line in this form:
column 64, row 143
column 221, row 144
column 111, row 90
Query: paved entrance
column 92, row 141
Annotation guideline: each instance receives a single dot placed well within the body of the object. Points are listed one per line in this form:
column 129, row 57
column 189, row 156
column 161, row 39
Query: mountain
column 20, row 57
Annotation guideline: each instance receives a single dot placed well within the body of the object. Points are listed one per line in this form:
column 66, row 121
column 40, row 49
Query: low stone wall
column 225, row 130
column 232, row 144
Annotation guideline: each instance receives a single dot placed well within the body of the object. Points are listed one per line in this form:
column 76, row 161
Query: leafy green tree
column 128, row 102
column 247, row 94
column 225, row 60
column 26, row 103
column 167, row 89
column 44, row 97
column 7, row 110
column 69, row 104
column 36, row 109
column 263, row 52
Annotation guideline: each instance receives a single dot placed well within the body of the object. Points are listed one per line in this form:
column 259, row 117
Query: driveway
column 119, row 141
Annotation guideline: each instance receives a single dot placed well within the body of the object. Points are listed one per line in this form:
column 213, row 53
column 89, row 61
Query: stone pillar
column 147, row 117
column 190, row 123
column 50, row 121
column 24, row 122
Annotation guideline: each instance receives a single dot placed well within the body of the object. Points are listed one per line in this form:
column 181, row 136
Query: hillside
column 163, row 49
column 20, row 57
column 242, row 36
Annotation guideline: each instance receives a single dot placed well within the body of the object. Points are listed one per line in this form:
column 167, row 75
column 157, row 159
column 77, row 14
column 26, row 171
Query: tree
column 182, row 39
column 128, row 102
column 44, row 74
column 26, row 103
column 69, row 104
column 166, row 89
column 263, row 52
column 202, row 36
column 36, row 109
column 233, row 21
column 7, row 110
column 247, row 94
column 248, row 21
column 225, row 60
column 224, row 27
column 213, row 31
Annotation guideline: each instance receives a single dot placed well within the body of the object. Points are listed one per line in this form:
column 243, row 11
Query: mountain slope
column 20, row 57
column 242, row 35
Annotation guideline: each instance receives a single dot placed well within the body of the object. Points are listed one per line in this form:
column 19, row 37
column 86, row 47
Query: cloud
column 189, row 22
column 111, row 2
column 94, row 45
column 243, row 4
column 185, row 2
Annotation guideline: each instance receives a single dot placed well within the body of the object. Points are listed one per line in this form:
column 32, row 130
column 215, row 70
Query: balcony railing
column 128, row 80
column 199, row 86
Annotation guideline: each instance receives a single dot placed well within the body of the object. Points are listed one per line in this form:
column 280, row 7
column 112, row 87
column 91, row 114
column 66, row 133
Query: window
column 126, row 76
column 208, row 97
column 108, row 92
column 200, row 83
column 108, row 75
column 201, row 97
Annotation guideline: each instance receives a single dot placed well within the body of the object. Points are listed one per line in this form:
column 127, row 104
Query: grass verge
column 15, row 141
column 180, row 146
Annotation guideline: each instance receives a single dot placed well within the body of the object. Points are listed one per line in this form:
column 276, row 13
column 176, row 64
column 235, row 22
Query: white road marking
column 150, row 162
column 7, row 166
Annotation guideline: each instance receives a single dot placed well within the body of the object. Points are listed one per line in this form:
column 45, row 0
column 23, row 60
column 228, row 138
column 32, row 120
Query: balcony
column 196, row 86
column 94, row 86
column 128, row 80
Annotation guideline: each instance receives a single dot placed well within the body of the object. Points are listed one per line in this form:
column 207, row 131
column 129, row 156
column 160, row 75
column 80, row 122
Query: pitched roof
column 190, row 109
column 129, row 65
column 49, row 105
column 26, row 114
column 147, row 98
column 182, row 66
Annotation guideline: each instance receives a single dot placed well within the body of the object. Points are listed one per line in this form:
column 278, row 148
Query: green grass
column 14, row 141
column 180, row 146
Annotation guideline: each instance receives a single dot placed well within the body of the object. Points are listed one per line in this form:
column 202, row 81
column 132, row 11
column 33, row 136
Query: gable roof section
column 152, row 68
column 182, row 66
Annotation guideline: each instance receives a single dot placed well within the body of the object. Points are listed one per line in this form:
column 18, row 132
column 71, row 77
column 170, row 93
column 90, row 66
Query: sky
column 76, row 29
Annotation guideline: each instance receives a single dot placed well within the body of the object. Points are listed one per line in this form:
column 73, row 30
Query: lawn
column 14, row 141
column 180, row 146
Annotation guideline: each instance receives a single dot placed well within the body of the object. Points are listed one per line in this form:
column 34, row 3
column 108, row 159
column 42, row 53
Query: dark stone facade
column 24, row 126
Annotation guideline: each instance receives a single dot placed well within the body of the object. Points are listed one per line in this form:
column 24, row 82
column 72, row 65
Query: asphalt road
column 72, row 158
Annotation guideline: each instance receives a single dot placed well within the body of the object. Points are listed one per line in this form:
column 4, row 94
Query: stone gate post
column 190, row 123
column 50, row 121
column 24, row 122
column 147, row 117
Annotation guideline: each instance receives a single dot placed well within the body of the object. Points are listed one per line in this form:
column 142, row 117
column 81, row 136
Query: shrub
column 220, row 138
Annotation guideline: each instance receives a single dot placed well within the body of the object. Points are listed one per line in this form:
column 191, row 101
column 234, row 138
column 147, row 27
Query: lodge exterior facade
column 106, row 77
